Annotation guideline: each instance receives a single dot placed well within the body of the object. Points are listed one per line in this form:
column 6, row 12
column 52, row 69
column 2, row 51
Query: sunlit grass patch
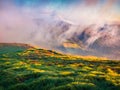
column 97, row 73
column 7, row 63
column 86, row 69
column 83, row 83
column 76, row 65
column 76, row 86
column 65, row 73
column 111, row 72
column 35, row 70
column 60, row 65
column 20, row 63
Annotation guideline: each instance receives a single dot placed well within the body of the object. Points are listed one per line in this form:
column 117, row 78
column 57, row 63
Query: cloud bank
column 87, row 27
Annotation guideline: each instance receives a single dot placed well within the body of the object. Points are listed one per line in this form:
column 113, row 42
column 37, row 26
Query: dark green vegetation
column 23, row 67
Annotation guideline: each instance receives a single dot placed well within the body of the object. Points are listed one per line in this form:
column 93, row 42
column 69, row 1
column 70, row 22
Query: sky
column 49, row 23
column 73, row 10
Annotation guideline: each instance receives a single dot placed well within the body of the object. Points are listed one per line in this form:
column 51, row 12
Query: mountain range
column 100, row 39
column 52, row 31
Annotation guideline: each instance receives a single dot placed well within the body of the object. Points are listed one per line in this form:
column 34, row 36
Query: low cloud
column 55, row 29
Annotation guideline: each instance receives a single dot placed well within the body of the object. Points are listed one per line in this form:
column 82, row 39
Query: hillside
column 23, row 67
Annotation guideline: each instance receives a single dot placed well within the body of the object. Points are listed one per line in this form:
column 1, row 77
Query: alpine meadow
column 59, row 44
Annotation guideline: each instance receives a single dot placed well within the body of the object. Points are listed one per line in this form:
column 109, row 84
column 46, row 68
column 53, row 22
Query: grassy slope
column 23, row 67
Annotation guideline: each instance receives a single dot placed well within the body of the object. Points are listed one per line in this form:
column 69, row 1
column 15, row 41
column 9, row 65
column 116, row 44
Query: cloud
column 85, row 28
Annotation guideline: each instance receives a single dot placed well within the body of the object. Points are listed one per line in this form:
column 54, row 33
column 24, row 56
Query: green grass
column 26, row 68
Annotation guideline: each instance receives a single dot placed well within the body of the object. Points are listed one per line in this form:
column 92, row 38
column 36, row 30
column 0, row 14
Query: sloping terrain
column 23, row 67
